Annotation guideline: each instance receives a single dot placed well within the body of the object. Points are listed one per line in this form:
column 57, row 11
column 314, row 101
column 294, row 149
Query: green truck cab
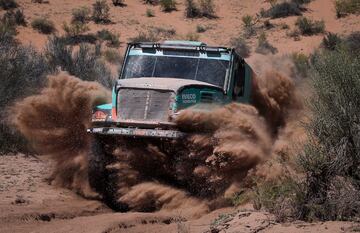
column 159, row 80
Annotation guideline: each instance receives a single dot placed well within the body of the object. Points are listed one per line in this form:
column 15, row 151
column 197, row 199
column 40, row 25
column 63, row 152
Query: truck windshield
column 211, row 71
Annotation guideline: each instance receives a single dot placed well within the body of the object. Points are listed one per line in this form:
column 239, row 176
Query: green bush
column 22, row 73
column 81, row 15
column 310, row 27
column 331, row 159
column 43, row 25
column 331, row 41
column 168, row 5
column 84, row 63
column 345, row 7
column 8, row 4
column 111, row 38
column 264, row 47
column 100, row 12
column 241, row 46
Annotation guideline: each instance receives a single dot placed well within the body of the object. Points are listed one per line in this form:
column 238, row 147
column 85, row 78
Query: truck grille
column 143, row 105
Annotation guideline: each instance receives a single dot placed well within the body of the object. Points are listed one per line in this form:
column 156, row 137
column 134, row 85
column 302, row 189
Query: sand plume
column 55, row 122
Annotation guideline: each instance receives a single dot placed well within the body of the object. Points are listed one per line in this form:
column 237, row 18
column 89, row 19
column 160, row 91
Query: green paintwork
column 104, row 106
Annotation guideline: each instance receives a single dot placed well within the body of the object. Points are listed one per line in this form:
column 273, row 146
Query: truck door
column 239, row 81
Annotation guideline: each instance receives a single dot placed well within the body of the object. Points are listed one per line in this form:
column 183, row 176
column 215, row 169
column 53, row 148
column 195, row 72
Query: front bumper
column 136, row 132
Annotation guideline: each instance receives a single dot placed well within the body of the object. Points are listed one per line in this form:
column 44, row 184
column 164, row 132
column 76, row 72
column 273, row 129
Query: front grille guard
column 144, row 105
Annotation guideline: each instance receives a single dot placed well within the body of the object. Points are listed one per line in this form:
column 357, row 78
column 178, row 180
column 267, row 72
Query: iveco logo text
column 188, row 98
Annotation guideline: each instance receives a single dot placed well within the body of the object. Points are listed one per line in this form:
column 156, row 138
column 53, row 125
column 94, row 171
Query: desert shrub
column 249, row 22
column 331, row 41
column 118, row 2
column 143, row 36
column 152, row 2
column 22, row 73
column 207, row 8
column 75, row 29
column 163, row 32
column 81, row 15
column 301, row 63
column 284, row 26
column 113, row 56
column 353, row 43
column 111, row 38
column 84, row 63
column 268, row 24
column 154, row 34
column 283, row 9
column 278, row 197
column 301, row 2
column 200, row 28
column 14, row 18
column 242, row 197
column 8, row 4
column 43, row 25
column 331, row 159
column 345, row 7
column 7, row 32
column 310, row 27
column 191, row 9
column 264, row 47
column 150, row 13
column 192, row 36
column 20, row 17
column 100, row 12
column 168, row 5
column 295, row 34
column 241, row 46
column 40, row 1
column 204, row 8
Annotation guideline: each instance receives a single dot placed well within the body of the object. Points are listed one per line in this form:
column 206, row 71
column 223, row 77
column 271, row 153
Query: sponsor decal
column 189, row 98
column 99, row 116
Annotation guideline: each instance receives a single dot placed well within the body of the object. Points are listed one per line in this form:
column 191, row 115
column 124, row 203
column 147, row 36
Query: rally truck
column 157, row 81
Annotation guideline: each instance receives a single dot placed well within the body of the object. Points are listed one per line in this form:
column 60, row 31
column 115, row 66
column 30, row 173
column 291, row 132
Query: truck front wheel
column 102, row 180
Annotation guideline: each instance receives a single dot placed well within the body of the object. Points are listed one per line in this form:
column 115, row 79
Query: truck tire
column 101, row 179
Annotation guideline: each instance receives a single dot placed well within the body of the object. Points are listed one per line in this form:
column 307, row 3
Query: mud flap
column 136, row 132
